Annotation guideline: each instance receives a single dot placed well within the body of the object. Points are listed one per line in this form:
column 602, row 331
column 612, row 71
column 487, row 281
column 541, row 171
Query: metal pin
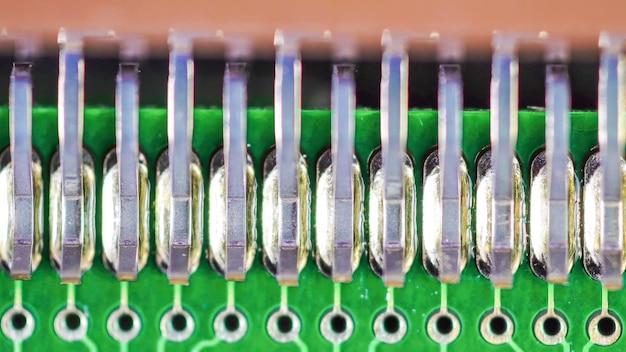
column 71, row 91
column 236, row 164
column 24, row 217
column 342, row 151
column 560, row 258
column 180, row 127
column 611, row 135
column 450, row 135
column 127, row 149
column 394, row 120
column 287, row 124
column 504, row 85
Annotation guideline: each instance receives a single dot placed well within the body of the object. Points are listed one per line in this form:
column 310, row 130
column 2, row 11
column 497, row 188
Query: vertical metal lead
column 235, row 161
column 20, row 115
column 394, row 120
column 71, row 91
column 179, row 132
column 450, row 136
column 611, row 135
column 342, row 149
column 127, row 149
column 504, row 86
column 559, row 259
column 287, row 125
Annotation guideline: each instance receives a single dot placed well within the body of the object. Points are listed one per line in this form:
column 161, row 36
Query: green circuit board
column 208, row 294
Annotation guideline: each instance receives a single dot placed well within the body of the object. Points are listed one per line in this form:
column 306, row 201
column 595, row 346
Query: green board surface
column 151, row 296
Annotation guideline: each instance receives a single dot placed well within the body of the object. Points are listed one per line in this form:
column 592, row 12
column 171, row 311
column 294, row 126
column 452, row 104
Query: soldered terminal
column 554, row 190
column 21, row 184
column 125, row 187
column 604, row 172
column 286, row 190
column 179, row 202
column 232, row 188
column 446, row 191
column 339, row 202
column 72, row 180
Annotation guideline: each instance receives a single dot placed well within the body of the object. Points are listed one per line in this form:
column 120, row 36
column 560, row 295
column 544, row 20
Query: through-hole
column 551, row 326
column 498, row 325
column 444, row 325
column 179, row 322
column 18, row 320
column 338, row 324
column 72, row 321
column 284, row 324
column 391, row 324
column 125, row 322
column 231, row 322
column 606, row 326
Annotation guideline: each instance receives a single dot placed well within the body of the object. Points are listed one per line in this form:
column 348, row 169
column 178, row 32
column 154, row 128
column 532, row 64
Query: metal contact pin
column 339, row 208
column 286, row 187
column 179, row 132
column 127, row 149
column 25, row 236
column 232, row 185
column 553, row 185
column 288, row 124
column 611, row 135
column 232, row 193
column 560, row 255
column 504, row 84
column 447, row 199
column 72, row 204
column 393, row 123
column 342, row 150
column 235, row 161
column 21, row 182
column 125, row 186
column 454, row 244
column 500, row 224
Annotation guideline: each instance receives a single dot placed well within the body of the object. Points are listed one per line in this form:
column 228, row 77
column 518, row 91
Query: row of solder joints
column 285, row 222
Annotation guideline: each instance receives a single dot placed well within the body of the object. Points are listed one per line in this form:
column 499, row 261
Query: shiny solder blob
column 432, row 217
column 592, row 212
column 218, row 201
column 325, row 216
column 88, row 238
column 6, row 207
column 539, row 210
column 484, row 218
column 111, row 212
column 376, row 215
column 162, row 213
column 271, row 217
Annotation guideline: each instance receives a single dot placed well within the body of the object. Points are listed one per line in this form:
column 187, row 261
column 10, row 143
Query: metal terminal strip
column 235, row 163
column 504, row 85
column 127, row 149
column 611, row 134
column 393, row 120
column 179, row 132
column 557, row 160
column 450, row 137
column 287, row 128
column 343, row 123
column 71, row 104
column 20, row 115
